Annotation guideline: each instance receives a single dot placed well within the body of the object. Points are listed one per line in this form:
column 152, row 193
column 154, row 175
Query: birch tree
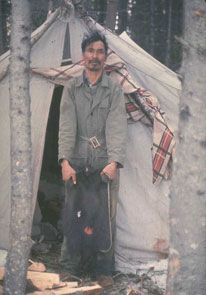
column 187, row 259
column 1, row 30
column 169, row 35
column 112, row 7
column 5, row 8
column 152, row 27
column 20, row 146
column 123, row 14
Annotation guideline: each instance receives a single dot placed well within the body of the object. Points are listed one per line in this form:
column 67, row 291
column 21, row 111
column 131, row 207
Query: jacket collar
column 104, row 81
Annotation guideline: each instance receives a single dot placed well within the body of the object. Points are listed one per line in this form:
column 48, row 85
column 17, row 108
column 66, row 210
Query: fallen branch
column 144, row 277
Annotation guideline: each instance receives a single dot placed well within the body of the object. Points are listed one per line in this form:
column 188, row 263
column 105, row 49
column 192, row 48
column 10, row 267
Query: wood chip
column 36, row 266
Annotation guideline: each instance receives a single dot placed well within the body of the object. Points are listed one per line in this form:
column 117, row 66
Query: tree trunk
column 152, row 27
column 122, row 24
column 5, row 9
column 20, row 146
column 112, row 7
column 102, row 8
column 39, row 10
column 1, row 30
column 187, row 259
column 169, row 35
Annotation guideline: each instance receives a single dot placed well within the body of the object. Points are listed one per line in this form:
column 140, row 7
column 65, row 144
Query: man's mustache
column 95, row 61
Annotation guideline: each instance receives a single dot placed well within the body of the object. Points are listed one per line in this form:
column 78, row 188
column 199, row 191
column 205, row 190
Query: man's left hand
column 110, row 170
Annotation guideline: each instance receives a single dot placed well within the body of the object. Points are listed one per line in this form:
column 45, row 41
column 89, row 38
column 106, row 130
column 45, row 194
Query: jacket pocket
column 103, row 112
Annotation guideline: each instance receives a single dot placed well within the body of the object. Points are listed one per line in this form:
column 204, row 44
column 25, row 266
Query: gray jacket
column 87, row 112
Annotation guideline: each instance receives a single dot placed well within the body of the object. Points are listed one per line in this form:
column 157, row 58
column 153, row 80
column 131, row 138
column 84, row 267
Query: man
column 92, row 137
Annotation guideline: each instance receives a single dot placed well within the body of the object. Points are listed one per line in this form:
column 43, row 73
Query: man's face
column 94, row 56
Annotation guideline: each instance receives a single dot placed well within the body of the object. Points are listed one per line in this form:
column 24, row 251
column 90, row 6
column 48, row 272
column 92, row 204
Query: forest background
column 152, row 24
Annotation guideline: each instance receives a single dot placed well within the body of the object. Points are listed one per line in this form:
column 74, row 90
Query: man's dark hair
column 93, row 37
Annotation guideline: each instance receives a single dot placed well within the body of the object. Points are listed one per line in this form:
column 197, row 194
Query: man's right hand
column 68, row 172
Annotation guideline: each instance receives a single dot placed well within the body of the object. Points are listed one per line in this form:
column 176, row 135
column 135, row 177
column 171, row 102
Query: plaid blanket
column 141, row 105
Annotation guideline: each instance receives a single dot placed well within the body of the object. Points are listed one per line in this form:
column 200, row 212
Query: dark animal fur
column 87, row 206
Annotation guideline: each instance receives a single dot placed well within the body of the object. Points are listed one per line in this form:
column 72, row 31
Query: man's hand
column 110, row 170
column 68, row 172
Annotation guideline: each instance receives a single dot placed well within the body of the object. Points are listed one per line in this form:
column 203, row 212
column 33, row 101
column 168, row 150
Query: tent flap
column 47, row 51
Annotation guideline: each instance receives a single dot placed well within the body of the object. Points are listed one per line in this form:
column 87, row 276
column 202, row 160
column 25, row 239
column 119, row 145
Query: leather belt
column 94, row 141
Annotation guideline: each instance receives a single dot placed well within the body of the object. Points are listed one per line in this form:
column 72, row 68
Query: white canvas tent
column 142, row 216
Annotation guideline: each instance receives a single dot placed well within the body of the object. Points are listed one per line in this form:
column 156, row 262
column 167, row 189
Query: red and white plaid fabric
column 141, row 105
